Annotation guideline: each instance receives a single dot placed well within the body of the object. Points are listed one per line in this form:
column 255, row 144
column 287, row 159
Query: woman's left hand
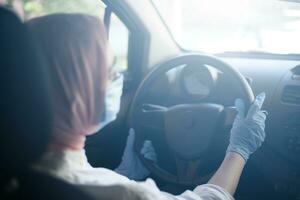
column 131, row 166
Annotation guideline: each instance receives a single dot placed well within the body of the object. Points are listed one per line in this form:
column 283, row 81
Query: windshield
column 216, row 26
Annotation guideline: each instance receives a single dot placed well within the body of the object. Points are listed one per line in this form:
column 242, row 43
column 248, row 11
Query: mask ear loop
column 112, row 101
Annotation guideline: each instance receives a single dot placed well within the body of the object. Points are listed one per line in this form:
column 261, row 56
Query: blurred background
column 32, row 8
column 234, row 25
column 118, row 33
column 212, row 26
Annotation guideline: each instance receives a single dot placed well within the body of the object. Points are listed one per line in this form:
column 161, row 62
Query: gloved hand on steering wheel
column 131, row 166
column 248, row 131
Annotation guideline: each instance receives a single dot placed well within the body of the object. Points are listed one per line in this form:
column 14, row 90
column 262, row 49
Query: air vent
column 291, row 94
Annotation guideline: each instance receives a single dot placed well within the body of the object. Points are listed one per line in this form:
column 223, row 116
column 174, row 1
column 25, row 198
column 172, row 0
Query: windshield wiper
column 292, row 1
column 259, row 54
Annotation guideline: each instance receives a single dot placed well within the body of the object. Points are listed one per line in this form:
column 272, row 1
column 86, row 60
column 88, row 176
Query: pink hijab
column 75, row 46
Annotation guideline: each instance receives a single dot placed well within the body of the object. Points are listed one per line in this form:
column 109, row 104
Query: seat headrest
column 25, row 105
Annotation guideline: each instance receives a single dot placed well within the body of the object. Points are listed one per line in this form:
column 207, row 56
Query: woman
column 77, row 51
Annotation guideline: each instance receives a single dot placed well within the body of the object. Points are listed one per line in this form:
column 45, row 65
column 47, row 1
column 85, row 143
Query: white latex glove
column 248, row 130
column 131, row 166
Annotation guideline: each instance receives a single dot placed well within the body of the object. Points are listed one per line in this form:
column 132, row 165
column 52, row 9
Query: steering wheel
column 188, row 128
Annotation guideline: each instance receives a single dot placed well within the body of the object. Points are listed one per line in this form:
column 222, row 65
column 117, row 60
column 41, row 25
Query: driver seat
column 25, row 117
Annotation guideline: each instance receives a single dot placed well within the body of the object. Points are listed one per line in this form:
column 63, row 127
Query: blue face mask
column 112, row 101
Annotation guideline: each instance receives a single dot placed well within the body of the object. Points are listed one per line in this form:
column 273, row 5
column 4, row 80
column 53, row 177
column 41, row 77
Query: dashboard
column 278, row 78
column 279, row 158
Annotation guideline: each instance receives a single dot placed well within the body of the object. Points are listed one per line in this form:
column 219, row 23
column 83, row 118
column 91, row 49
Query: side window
column 27, row 9
column 118, row 36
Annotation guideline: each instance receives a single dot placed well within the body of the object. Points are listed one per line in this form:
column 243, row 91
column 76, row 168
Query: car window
column 118, row 35
column 118, row 32
column 27, row 9
column 215, row 26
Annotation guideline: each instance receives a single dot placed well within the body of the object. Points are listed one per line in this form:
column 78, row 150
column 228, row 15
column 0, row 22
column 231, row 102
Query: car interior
column 181, row 78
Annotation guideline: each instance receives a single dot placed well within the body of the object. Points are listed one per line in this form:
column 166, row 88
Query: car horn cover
column 190, row 128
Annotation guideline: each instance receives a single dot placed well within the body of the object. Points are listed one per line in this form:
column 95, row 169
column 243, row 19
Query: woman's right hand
column 248, row 131
column 131, row 166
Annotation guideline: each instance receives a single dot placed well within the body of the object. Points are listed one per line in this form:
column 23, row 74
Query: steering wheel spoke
column 187, row 169
column 229, row 115
column 152, row 116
